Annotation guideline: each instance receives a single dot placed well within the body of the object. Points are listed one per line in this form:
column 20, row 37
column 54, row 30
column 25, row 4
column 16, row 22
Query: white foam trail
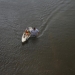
column 44, row 26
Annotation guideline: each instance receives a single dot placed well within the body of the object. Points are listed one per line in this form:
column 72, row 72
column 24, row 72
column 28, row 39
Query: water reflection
column 31, row 40
column 34, row 39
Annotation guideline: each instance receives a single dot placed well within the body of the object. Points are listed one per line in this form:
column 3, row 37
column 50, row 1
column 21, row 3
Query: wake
column 62, row 5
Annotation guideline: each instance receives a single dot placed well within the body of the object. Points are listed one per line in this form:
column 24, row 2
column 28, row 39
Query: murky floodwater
column 53, row 52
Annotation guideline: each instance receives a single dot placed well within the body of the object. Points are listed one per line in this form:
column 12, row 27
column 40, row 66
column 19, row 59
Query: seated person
column 26, row 32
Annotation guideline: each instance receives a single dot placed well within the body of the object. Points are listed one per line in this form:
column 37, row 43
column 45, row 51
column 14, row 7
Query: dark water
column 53, row 52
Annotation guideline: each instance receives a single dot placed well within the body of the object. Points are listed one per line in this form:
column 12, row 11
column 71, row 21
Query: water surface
column 53, row 52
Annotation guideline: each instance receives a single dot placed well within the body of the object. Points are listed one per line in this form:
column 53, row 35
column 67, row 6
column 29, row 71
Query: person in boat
column 27, row 32
column 34, row 32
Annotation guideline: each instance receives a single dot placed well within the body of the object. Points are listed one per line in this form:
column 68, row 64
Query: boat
column 26, row 37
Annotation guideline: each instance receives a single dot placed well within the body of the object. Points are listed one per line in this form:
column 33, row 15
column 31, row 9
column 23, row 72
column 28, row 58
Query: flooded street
column 53, row 52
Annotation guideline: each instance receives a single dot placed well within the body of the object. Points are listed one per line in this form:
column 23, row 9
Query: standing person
column 34, row 32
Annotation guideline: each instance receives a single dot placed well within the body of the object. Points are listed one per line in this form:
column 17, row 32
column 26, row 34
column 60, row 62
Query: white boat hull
column 26, row 37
